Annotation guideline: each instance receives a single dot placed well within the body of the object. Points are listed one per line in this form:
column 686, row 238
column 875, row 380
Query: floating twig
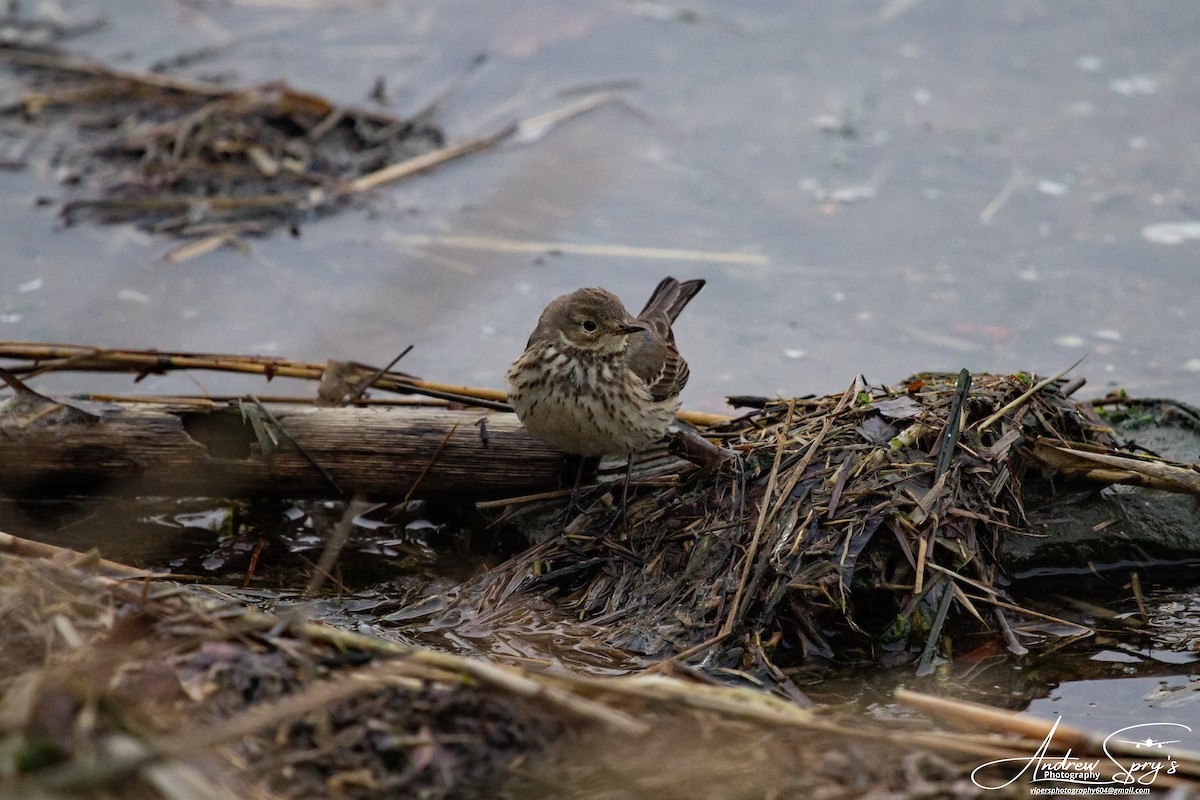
column 498, row 245
column 427, row 161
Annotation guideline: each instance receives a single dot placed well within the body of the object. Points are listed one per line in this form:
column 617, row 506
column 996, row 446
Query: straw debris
column 874, row 516
column 217, row 164
column 146, row 689
column 196, row 159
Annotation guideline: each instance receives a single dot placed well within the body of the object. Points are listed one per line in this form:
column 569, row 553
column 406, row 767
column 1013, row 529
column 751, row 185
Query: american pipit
column 594, row 380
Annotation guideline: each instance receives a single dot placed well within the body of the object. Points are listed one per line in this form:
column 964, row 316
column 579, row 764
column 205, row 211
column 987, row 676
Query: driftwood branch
column 243, row 449
column 1109, row 468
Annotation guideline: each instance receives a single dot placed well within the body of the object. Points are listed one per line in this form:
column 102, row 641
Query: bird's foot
column 618, row 518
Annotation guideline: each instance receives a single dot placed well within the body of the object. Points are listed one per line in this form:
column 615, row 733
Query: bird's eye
column 589, row 326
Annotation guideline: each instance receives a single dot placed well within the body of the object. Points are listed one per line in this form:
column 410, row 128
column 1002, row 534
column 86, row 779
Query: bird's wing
column 652, row 354
column 656, row 361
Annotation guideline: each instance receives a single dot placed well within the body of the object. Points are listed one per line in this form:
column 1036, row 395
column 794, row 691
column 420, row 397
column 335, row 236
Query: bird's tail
column 669, row 298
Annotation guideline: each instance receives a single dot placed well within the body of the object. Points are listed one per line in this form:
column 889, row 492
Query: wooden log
column 246, row 450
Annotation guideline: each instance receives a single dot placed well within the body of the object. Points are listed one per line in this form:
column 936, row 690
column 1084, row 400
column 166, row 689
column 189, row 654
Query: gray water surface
column 873, row 187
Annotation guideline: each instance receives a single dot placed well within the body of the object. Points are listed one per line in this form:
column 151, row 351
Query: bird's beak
column 626, row 328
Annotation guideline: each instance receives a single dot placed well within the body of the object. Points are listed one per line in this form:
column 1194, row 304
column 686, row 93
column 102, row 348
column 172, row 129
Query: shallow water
column 923, row 186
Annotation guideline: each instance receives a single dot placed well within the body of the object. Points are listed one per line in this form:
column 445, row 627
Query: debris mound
column 874, row 516
column 194, row 159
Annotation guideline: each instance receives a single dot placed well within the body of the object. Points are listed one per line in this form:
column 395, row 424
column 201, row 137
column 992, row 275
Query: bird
column 595, row 380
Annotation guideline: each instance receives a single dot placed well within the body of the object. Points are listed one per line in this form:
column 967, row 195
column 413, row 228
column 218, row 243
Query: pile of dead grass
column 118, row 689
column 199, row 159
column 142, row 689
column 145, row 689
column 855, row 524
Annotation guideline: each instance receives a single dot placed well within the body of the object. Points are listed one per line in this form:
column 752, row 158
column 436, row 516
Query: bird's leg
column 573, row 503
column 625, row 494
column 573, row 506
column 620, row 514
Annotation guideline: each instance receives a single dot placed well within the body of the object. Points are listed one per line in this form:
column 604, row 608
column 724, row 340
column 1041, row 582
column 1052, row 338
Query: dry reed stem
column 31, row 549
column 764, row 507
column 427, row 161
column 1021, row 399
column 48, row 357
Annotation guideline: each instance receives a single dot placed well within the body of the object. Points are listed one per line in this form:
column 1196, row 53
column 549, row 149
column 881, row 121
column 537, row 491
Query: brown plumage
column 595, row 381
